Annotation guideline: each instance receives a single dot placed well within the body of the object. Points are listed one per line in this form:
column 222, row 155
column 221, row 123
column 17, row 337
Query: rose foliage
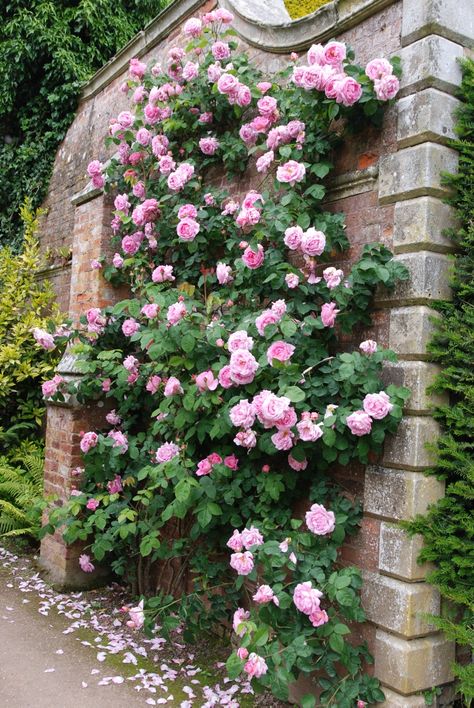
column 232, row 402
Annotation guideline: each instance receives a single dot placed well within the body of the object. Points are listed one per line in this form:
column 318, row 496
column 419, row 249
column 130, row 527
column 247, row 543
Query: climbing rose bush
column 231, row 402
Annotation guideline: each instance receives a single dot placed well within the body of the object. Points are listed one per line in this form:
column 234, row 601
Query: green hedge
column 47, row 51
column 448, row 529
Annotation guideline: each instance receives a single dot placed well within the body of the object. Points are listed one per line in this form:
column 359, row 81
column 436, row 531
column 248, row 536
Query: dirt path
column 40, row 667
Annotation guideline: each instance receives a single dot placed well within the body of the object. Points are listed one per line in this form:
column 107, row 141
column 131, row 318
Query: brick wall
column 387, row 184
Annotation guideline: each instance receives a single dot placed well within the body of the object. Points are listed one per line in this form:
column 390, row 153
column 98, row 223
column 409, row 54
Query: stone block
column 411, row 666
column 426, row 116
column 398, row 553
column 429, row 275
column 410, row 330
column 453, row 19
column 431, row 62
column 419, row 225
column 415, row 172
column 395, row 700
column 398, row 607
column 417, row 376
column 408, row 449
column 394, row 494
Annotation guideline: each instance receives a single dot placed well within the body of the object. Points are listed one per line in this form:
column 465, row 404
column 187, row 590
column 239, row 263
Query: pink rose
column 292, row 280
column 368, row 347
column 272, row 408
column 318, row 617
column 117, row 260
column 296, row 465
column 224, row 377
column 329, row 313
column 253, row 260
column 206, row 118
column 206, row 381
column 94, row 168
column 265, row 594
column 130, row 326
column 192, row 27
column 377, row 405
column 223, row 274
column 235, row 542
column 115, row 485
column 243, row 366
column 248, row 134
column 88, row 441
column 291, row 172
column 113, row 418
column 251, row 537
column 387, row 87
column 242, row 562
column 166, row 452
column 95, row 320
column 240, row 340
column 267, row 105
column 288, row 419
column 172, row 387
column 209, row 146
column 256, row 666
column 242, row 653
column 308, row 431
column 166, row 164
column 239, row 617
column 214, row 72
column 162, row 274
column 333, row 277
column 306, row 598
column 281, row 351
column 106, row 384
column 153, row 384
column 150, row 310
column 43, row 338
column 49, row 388
column 187, row 229
column 293, row 237
column 232, row 462
column 176, row 313
column 85, row 563
column 242, row 414
column 190, row 70
column 244, row 96
column 264, row 86
column 377, row 68
column 359, row 423
column 315, row 55
column 220, row 50
column 187, row 211
column 334, row 53
column 246, row 439
column 227, row 83
column 313, row 242
column 120, row 440
column 130, row 363
column 136, row 68
column 283, row 439
column 348, row 91
column 264, row 162
column 320, row 521
column 92, row 504
column 204, row 468
column 143, row 136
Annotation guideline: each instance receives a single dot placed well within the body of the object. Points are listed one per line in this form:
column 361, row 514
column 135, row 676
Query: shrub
column 25, row 305
column 21, row 491
column 233, row 397
column 448, row 528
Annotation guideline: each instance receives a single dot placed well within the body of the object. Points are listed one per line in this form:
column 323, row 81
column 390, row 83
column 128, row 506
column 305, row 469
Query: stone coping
column 264, row 24
column 273, row 32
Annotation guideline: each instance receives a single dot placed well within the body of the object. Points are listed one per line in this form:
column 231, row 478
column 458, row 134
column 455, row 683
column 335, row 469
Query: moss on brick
column 300, row 8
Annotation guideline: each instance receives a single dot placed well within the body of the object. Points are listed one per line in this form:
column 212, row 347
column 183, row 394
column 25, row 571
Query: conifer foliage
column 448, row 529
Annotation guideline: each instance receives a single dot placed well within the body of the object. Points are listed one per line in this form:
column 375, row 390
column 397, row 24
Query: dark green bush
column 448, row 529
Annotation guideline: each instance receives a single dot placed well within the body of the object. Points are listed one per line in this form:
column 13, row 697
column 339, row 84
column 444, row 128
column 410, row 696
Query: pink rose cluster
column 386, row 84
column 51, row 387
column 180, row 177
column 228, row 85
column 94, row 170
column 307, row 600
column 188, row 228
column 243, row 561
column 376, row 406
column 249, row 214
column 166, row 452
column 206, row 465
column 271, row 316
column 96, row 321
column 310, row 242
column 325, row 72
column 44, row 339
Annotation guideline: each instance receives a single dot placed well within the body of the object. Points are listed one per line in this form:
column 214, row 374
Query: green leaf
column 308, row 701
column 295, row 394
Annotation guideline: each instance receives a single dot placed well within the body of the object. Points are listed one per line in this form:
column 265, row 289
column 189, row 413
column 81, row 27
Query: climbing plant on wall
column 47, row 51
column 232, row 398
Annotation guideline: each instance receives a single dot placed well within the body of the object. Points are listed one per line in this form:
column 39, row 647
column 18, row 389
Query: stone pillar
column 410, row 655
column 66, row 420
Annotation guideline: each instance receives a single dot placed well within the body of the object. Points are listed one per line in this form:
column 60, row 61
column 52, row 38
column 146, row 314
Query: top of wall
column 264, row 24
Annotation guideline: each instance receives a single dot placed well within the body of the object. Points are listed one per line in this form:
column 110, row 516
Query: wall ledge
column 251, row 23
